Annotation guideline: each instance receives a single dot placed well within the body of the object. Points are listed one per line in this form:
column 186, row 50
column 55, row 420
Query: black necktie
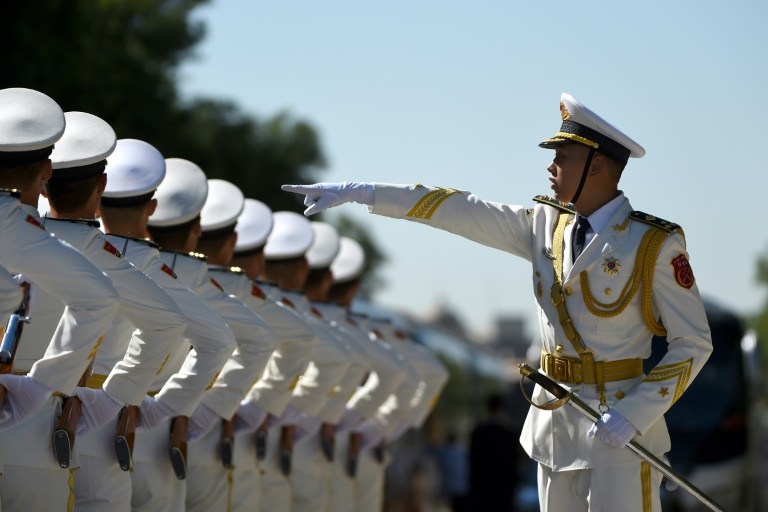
column 579, row 235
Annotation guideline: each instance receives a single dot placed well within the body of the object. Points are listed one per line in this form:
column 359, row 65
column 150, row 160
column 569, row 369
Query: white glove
column 31, row 302
column 349, row 421
column 322, row 196
column 289, row 417
column 370, row 436
column 201, row 421
column 249, row 418
column 98, row 409
column 152, row 413
column 613, row 429
column 25, row 396
column 306, row 426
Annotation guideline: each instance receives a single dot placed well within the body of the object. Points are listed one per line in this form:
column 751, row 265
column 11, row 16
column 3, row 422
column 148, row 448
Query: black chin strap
column 584, row 175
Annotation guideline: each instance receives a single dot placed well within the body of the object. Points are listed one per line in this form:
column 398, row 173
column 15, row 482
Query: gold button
column 568, row 291
column 608, row 291
column 620, row 395
column 559, row 349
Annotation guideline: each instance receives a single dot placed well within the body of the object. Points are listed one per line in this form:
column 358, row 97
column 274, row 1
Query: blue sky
column 458, row 94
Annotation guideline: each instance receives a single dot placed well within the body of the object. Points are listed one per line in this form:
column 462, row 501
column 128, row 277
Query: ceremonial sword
column 564, row 396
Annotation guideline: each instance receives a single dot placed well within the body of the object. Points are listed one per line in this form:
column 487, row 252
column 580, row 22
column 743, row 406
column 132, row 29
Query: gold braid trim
column 428, row 205
column 681, row 370
column 573, row 137
column 642, row 274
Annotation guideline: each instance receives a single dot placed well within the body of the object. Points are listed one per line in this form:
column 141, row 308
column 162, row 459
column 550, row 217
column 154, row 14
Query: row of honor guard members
column 288, row 403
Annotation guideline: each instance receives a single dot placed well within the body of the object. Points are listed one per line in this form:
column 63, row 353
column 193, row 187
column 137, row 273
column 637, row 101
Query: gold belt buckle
column 562, row 370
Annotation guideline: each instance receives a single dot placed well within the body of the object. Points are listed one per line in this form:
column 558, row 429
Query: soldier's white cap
column 350, row 261
column 30, row 123
column 222, row 208
column 253, row 226
column 181, row 195
column 291, row 236
column 82, row 151
column 135, row 170
column 581, row 125
column 325, row 246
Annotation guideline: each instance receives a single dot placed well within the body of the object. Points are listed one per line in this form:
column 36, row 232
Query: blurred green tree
column 119, row 60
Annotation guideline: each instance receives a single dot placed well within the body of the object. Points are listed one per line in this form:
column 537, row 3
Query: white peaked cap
column 222, row 207
column 87, row 140
column 291, row 236
column 583, row 126
column 135, row 170
column 325, row 246
column 181, row 195
column 253, row 226
column 29, row 121
column 350, row 261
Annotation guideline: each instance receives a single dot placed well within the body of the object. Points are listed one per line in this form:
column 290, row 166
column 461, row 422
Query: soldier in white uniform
column 596, row 329
column 358, row 481
column 149, row 324
column 30, row 123
column 175, row 225
column 286, row 264
column 135, row 170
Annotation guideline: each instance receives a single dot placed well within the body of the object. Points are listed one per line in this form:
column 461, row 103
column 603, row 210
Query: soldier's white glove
column 25, row 396
column 249, row 418
column 306, row 426
column 152, row 413
column 613, row 429
column 350, row 420
column 201, row 421
column 322, row 196
column 98, row 409
column 21, row 279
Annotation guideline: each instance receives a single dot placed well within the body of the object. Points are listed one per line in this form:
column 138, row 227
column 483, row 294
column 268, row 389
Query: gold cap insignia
column 564, row 112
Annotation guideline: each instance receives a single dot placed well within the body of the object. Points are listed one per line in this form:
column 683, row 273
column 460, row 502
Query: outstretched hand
column 321, row 196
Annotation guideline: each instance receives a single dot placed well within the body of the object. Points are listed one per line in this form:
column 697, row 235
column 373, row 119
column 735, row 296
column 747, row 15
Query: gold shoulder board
column 669, row 227
column 567, row 207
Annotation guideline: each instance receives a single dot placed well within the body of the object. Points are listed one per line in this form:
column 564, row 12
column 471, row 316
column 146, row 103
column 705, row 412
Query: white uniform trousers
column 276, row 492
column 155, row 486
column 310, row 476
column 208, row 481
column 31, row 477
column 343, row 488
column 370, row 483
column 100, row 484
column 245, row 495
column 628, row 487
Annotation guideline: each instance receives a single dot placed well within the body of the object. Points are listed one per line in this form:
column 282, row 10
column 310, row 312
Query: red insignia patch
column 377, row 333
column 111, row 249
column 316, row 312
column 258, row 292
column 683, row 271
column 287, row 302
column 34, row 222
column 168, row 270
column 217, row 285
column 350, row 321
column 400, row 335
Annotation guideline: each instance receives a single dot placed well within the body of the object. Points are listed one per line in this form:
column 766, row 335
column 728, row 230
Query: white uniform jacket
column 328, row 363
column 62, row 271
column 386, row 373
column 255, row 340
column 157, row 320
column 295, row 340
column 212, row 340
column 558, row 439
